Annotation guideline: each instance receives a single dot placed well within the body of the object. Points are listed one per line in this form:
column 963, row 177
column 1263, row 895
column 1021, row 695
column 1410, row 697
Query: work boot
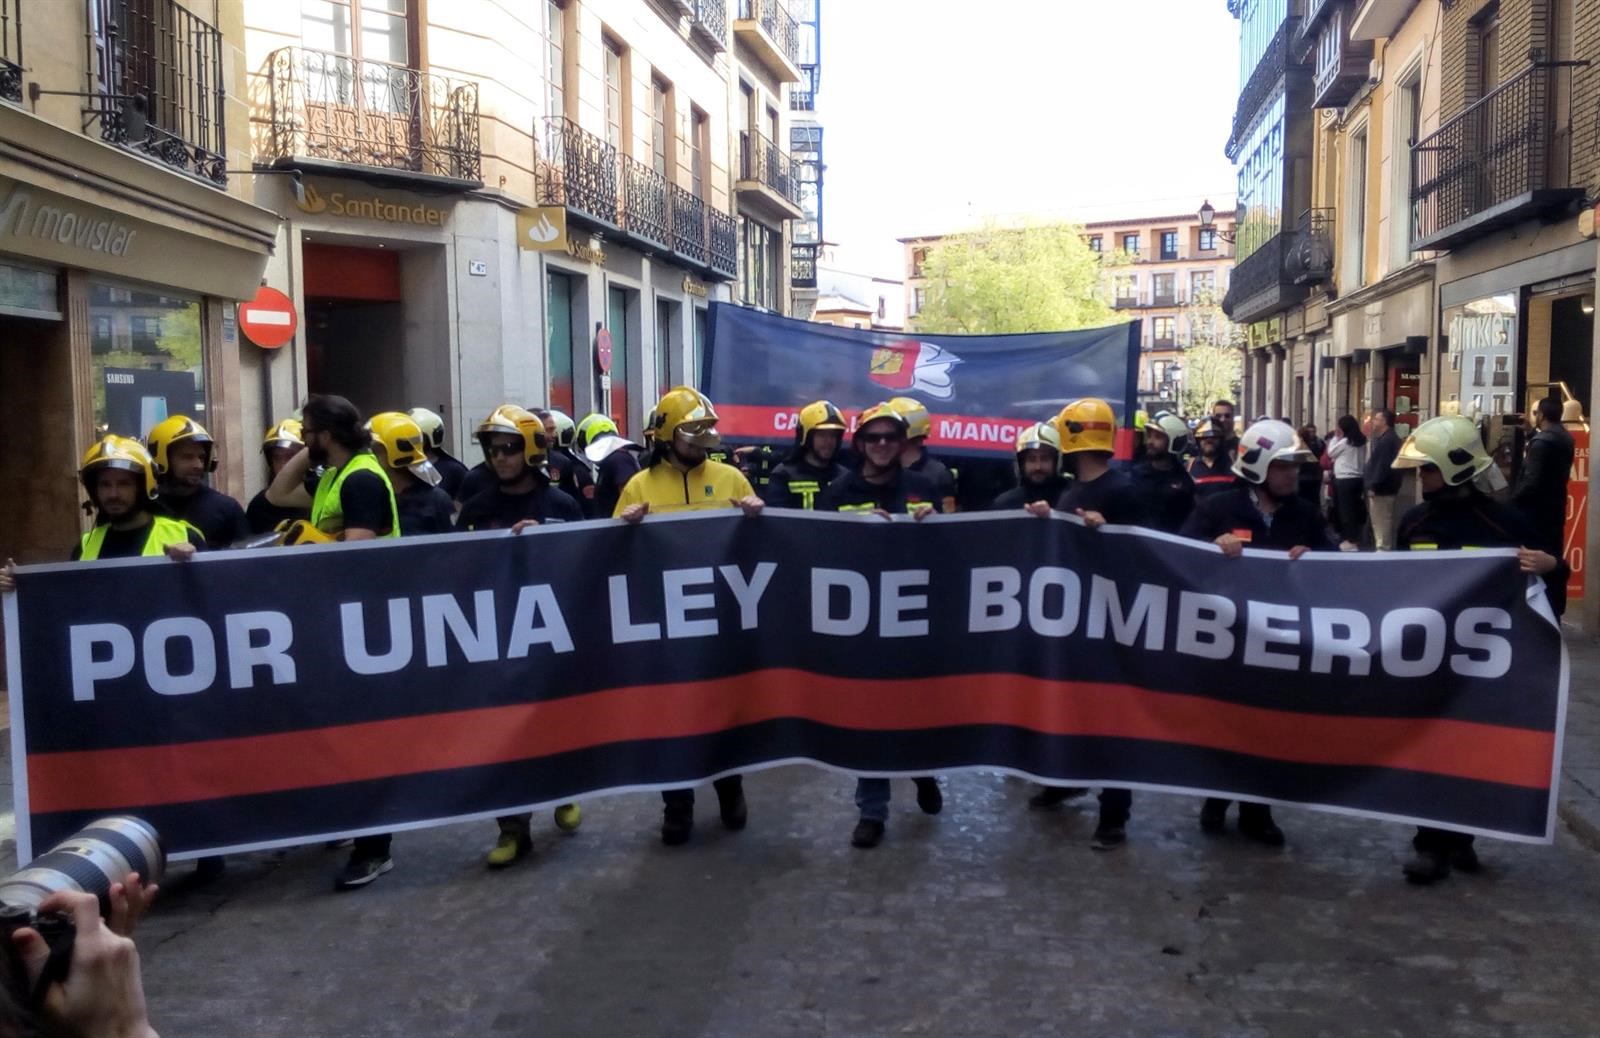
column 868, row 834
column 568, row 818
column 1108, row 836
column 507, row 849
column 1426, row 867
column 1213, row 815
column 735, row 812
column 929, row 796
column 676, row 825
column 1055, row 796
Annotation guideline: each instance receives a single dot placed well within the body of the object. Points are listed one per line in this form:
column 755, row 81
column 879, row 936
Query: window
column 660, row 125
column 555, row 51
column 1130, row 244
column 1407, row 122
column 697, row 152
column 1165, row 330
column 558, row 340
column 918, row 258
column 1487, row 44
column 1127, row 287
column 666, row 327
column 373, row 29
column 1355, row 209
column 1096, row 243
column 618, row 301
column 616, row 96
column 1208, row 241
column 760, row 264
column 1169, row 245
column 1202, row 286
column 147, row 354
column 698, row 374
column 1165, row 289
column 1261, row 181
column 919, row 297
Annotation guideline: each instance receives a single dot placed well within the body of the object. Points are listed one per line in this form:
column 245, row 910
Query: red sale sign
column 1577, row 528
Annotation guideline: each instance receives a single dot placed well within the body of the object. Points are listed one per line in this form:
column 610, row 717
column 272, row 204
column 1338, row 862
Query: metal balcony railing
column 710, row 20
column 11, row 50
column 645, row 211
column 763, row 161
column 803, row 265
column 1490, row 164
column 158, row 89
column 724, row 243
column 578, row 170
column 690, row 234
column 1164, row 299
column 1310, row 257
column 777, row 23
column 338, row 108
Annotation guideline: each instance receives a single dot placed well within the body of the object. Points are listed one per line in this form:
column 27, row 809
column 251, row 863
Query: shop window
column 147, row 352
column 617, row 304
column 558, row 343
column 666, row 335
column 697, row 376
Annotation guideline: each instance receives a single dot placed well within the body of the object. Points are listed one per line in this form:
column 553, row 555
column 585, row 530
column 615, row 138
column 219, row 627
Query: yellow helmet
column 535, row 443
column 1449, row 442
column 878, row 412
column 503, row 419
column 686, row 408
column 648, row 433
column 171, row 432
column 118, row 452
column 819, row 414
column 1087, row 425
column 918, row 422
column 286, row 433
column 404, row 445
column 1038, row 436
column 1205, row 431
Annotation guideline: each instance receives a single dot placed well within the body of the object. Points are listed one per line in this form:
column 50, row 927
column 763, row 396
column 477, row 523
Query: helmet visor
column 700, row 433
column 425, row 471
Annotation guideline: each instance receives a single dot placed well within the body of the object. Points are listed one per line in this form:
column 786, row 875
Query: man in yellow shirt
column 680, row 478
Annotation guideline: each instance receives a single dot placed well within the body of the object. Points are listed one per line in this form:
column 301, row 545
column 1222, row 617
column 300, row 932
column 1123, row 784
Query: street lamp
column 1208, row 221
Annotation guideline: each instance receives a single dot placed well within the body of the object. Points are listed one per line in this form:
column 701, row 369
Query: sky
column 940, row 113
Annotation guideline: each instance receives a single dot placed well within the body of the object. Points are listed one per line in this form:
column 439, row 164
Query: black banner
column 257, row 699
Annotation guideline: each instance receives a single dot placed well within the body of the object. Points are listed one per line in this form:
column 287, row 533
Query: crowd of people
column 336, row 476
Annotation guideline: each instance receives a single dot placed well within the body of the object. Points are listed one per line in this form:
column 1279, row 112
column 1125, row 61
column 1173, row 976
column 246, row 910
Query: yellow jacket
column 665, row 489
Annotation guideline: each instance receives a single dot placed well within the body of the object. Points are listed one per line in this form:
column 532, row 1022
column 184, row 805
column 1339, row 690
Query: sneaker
column 676, row 825
column 1214, row 816
column 1108, row 837
column 1263, row 832
column 929, row 796
column 1427, row 867
column 735, row 813
column 569, row 817
column 868, row 834
column 358, row 872
column 1055, row 796
column 507, row 849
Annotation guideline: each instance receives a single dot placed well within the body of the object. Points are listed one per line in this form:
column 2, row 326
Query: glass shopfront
column 147, row 351
column 1481, row 373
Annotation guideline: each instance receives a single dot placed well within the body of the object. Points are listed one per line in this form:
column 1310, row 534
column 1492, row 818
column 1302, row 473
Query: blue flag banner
column 980, row 389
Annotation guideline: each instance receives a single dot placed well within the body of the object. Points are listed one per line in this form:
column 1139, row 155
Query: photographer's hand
column 130, row 900
column 102, row 996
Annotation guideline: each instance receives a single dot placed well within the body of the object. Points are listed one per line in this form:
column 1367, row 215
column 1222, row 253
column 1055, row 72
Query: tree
column 1036, row 278
column 1214, row 358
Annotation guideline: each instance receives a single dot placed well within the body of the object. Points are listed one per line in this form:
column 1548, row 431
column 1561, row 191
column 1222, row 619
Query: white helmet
column 1265, row 442
column 1176, row 429
column 432, row 426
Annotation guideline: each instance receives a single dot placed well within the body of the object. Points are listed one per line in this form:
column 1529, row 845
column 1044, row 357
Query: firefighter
column 452, row 473
column 814, row 461
column 915, row 457
column 1160, row 478
column 281, row 442
column 1211, row 470
column 1039, row 475
column 614, row 459
column 184, row 455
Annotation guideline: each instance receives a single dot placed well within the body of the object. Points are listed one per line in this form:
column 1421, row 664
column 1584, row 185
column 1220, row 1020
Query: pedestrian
column 914, row 455
column 1263, row 510
column 281, row 442
column 1211, row 470
column 681, row 478
column 1541, row 491
column 813, row 463
column 1099, row 494
column 1039, row 478
column 1456, row 514
column 614, row 459
column 883, row 487
column 452, row 473
column 1311, row 471
column 1165, row 488
column 516, row 447
column 1348, row 449
column 184, row 456
column 1382, row 479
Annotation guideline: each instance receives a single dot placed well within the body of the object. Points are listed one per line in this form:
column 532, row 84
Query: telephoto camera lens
column 91, row 860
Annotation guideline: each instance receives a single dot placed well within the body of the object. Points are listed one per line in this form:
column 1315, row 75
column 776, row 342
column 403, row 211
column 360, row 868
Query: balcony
column 1125, row 302
column 1169, row 298
column 1261, row 285
column 1310, row 259
column 1274, row 65
column 724, row 244
column 1163, row 342
column 579, row 171
column 337, row 112
column 769, row 179
column 772, row 35
column 803, row 265
column 708, row 24
column 1342, row 64
column 11, row 51
column 158, row 85
column 1493, row 165
column 646, row 214
column 690, row 233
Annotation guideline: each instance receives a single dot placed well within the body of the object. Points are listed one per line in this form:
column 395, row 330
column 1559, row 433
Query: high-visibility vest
column 163, row 531
column 327, row 512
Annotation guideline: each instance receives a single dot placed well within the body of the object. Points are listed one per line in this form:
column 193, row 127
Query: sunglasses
column 502, row 450
column 871, row 438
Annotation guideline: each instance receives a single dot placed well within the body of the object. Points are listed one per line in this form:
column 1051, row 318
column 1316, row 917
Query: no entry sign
column 269, row 319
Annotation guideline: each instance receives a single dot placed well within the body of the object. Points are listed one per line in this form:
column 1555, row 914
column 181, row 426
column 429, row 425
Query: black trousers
column 1440, row 841
column 1350, row 508
column 1250, row 812
column 372, row 846
column 1115, row 806
column 727, row 787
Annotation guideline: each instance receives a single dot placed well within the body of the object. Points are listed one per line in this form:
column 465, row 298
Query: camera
column 91, row 860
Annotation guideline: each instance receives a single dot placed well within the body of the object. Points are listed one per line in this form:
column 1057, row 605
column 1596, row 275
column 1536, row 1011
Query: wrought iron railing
column 578, row 170
column 711, row 20
column 803, row 265
column 338, row 108
column 761, row 160
column 645, row 213
column 1257, row 272
column 724, row 243
column 1310, row 257
column 157, row 83
column 1494, row 152
column 11, row 50
column 690, row 234
column 1263, row 81
column 777, row 23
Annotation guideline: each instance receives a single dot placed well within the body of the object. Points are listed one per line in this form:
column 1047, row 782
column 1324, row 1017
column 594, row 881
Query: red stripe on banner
column 737, row 421
column 100, row 779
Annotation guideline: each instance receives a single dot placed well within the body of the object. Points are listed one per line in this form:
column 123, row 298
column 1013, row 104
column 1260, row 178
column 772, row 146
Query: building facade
column 127, row 235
